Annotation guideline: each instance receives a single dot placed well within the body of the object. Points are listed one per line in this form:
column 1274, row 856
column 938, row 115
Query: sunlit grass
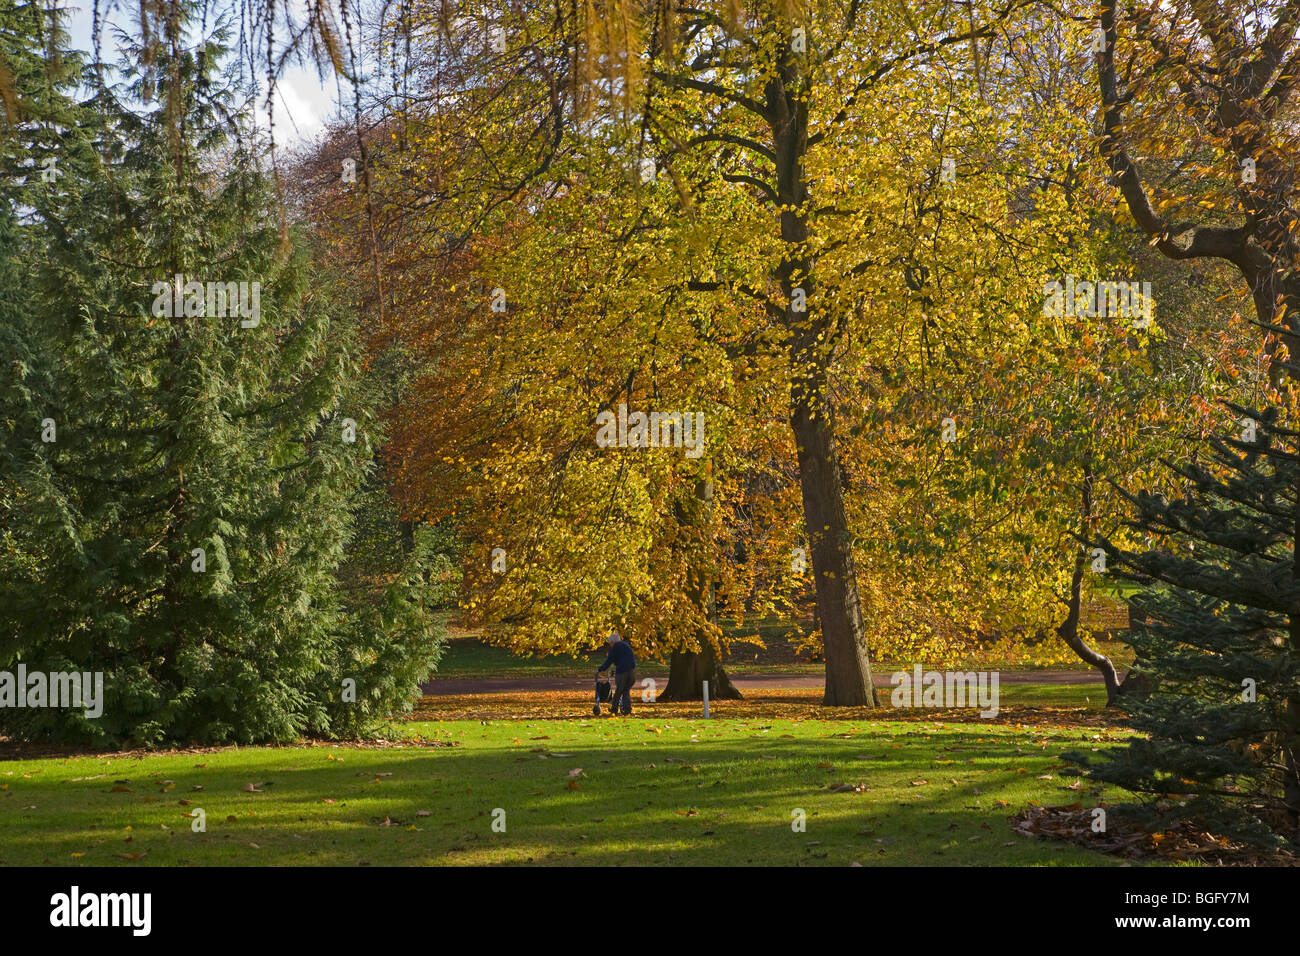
column 652, row 792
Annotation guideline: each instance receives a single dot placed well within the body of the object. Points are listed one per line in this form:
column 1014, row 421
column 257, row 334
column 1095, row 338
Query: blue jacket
column 620, row 655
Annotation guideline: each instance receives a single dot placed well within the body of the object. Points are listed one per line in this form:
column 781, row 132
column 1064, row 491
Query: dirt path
column 441, row 686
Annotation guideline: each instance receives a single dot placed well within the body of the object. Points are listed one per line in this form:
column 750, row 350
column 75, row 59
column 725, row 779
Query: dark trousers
column 623, row 692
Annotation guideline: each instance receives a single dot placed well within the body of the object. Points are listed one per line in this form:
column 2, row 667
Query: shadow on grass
column 938, row 797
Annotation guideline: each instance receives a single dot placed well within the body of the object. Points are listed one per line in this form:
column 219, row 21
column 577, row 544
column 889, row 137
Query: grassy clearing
column 651, row 791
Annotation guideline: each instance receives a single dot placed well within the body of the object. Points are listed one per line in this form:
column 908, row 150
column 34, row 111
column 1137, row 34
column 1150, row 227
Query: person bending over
column 620, row 655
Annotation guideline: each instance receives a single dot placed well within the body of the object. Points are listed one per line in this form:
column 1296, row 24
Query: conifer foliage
column 1221, row 638
column 188, row 439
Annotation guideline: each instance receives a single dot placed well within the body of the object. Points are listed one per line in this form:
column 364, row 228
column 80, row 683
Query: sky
column 303, row 102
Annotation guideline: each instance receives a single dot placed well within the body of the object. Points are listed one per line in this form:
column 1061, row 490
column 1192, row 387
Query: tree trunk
column 687, row 672
column 812, row 340
column 689, row 669
column 848, row 669
column 1069, row 628
column 1135, row 683
column 1069, row 632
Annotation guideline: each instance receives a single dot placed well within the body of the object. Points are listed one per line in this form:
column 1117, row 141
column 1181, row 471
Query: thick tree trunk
column 1135, row 683
column 839, row 608
column 689, row 669
column 687, row 672
column 813, row 334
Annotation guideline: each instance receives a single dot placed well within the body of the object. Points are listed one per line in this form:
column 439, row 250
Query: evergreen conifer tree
column 1220, row 640
column 192, row 512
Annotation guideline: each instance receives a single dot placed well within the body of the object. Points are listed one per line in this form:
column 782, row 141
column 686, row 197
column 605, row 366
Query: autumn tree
column 1230, row 197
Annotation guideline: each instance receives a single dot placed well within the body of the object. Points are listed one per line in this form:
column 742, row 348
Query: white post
column 706, row 700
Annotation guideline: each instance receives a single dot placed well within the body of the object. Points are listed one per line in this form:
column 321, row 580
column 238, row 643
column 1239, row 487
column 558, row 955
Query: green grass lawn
column 1048, row 695
column 649, row 792
column 470, row 658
